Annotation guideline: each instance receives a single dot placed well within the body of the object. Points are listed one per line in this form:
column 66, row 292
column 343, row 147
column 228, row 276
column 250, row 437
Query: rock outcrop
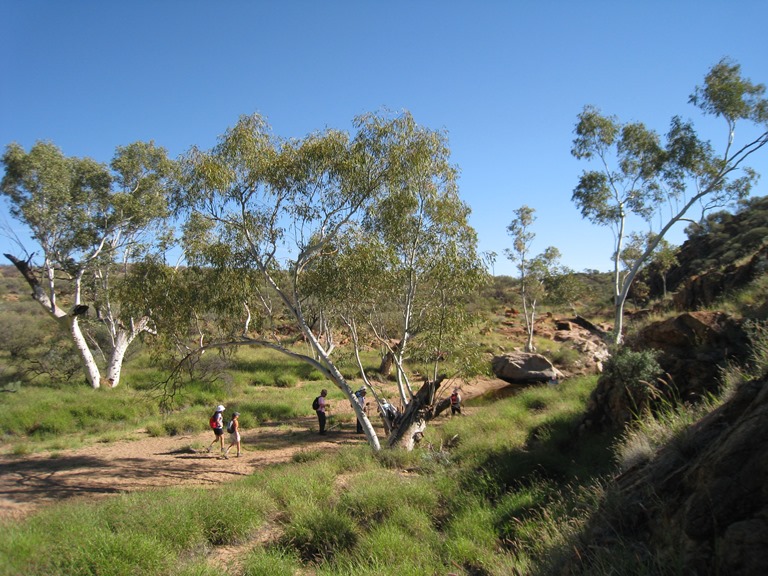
column 700, row 505
column 692, row 349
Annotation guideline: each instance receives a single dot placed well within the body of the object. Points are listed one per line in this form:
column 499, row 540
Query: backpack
column 213, row 421
column 454, row 399
column 316, row 403
column 231, row 427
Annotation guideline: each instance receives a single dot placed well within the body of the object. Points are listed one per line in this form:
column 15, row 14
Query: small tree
column 638, row 175
column 535, row 272
column 664, row 258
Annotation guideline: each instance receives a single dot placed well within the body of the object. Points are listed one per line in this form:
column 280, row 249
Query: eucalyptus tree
column 536, row 272
column 86, row 217
column 275, row 206
column 422, row 224
column 638, row 174
column 417, row 247
column 305, row 215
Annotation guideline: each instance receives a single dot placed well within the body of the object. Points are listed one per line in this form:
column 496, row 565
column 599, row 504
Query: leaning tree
column 282, row 209
column 639, row 174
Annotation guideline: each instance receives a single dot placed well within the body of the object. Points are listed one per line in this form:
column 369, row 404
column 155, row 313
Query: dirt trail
column 30, row 481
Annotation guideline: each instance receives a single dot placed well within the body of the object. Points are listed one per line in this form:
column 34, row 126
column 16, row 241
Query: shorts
column 218, row 432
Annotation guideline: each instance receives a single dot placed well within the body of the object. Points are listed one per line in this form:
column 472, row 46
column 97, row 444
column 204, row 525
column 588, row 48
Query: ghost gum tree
column 638, row 174
column 284, row 209
column 88, row 219
column 403, row 276
column 536, row 272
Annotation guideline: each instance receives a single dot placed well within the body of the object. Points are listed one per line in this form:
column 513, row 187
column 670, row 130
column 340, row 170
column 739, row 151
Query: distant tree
column 535, row 271
column 86, row 217
column 490, row 259
column 639, row 175
column 664, row 258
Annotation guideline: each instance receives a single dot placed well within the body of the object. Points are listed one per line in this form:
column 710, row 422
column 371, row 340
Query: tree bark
column 90, row 367
column 420, row 409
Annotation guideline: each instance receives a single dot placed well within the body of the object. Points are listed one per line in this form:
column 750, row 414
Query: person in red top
column 218, row 429
column 455, row 402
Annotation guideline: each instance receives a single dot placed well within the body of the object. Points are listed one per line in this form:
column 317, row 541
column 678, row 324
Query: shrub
column 636, row 370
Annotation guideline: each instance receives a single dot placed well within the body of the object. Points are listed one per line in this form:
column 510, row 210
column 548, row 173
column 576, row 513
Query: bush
column 635, row 369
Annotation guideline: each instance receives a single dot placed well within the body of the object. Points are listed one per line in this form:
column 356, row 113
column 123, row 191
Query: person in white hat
column 360, row 398
column 217, row 423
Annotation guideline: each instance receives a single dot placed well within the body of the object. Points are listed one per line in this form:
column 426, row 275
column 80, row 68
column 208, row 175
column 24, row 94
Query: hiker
column 455, row 402
column 360, row 398
column 389, row 414
column 322, row 405
column 234, row 434
column 217, row 423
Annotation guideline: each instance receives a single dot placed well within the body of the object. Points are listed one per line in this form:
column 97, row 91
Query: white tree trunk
column 92, row 373
column 90, row 367
column 115, row 362
column 121, row 340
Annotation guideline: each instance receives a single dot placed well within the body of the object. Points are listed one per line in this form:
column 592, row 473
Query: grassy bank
column 483, row 494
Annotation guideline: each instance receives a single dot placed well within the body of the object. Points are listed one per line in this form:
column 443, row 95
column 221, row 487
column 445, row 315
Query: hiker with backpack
column 319, row 405
column 217, row 424
column 234, row 434
column 455, row 402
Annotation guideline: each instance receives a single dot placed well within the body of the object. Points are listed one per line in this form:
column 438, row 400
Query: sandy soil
column 31, row 481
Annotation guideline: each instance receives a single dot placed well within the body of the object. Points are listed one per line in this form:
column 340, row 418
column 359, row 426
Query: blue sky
column 505, row 79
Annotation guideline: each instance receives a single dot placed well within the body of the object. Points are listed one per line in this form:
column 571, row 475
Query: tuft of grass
column 319, row 533
column 271, row 561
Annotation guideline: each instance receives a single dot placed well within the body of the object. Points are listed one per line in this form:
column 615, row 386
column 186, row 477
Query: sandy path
column 33, row 480
column 30, row 481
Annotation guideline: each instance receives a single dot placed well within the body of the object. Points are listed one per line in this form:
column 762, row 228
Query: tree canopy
column 642, row 174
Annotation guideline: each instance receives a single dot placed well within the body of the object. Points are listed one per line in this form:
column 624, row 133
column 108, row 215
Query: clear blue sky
column 505, row 79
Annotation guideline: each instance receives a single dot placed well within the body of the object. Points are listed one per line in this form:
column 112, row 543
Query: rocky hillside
column 698, row 505
column 726, row 251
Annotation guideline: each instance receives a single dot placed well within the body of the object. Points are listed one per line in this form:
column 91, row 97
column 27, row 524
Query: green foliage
column 636, row 370
column 47, row 415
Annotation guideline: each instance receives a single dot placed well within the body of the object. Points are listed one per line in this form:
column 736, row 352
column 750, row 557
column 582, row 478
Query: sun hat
column 220, row 408
column 236, row 414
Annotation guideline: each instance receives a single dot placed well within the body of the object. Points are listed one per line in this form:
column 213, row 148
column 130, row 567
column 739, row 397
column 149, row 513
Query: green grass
column 38, row 417
column 429, row 511
column 502, row 490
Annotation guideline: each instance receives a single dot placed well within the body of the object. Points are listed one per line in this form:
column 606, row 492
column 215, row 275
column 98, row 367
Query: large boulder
column 524, row 368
